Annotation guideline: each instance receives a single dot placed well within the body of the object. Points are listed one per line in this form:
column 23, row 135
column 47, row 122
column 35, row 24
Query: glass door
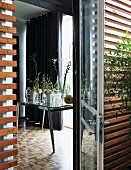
column 91, row 83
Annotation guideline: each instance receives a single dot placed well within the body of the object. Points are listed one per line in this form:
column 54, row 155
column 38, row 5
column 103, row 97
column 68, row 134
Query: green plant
column 65, row 76
column 34, row 83
column 55, row 64
column 46, row 83
column 57, row 85
column 118, row 71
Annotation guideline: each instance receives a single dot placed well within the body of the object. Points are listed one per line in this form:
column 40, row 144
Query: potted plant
column 68, row 98
column 35, row 84
column 47, row 88
column 35, row 90
column 65, row 76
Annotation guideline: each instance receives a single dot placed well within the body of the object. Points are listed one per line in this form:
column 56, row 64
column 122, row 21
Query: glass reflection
column 88, row 47
column 89, row 51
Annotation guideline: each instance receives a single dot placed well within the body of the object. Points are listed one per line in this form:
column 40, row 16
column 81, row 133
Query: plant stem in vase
column 65, row 75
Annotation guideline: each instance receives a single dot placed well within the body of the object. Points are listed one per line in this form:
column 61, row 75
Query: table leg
column 51, row 129
column 43, row 117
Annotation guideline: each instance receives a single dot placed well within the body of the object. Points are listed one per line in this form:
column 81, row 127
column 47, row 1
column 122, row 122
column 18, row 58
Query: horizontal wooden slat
column 118, row 119
column 8, row 164
column 116, row 113
column 7, row 52
column 112, row 84
column 116, row 134
column 112, row 99
column 115, row 149
column 117, row 71
column 11, row 7
column 117, row 13
column 4, row 109
column 116, row 127
column 117, row 155
column 6, row 40
column 109, row 92
column 109, row 42
column 113, row 106
column 7, row 18
column 8, row 153
column 8, row 120
column 112, row 36
column 7, row 97
column 118, row 6
column 114, row 21
column 114, row 26
column 109, row 29
column 114, row 77
column 8, row 63
column 117, row 162
column 123, row 165
column 8, row 86
column 125, row 3
column 7, row 29
column 110, row 13
column 8, row 142
column 115, row 141
column 8, row 74
column 6, row 131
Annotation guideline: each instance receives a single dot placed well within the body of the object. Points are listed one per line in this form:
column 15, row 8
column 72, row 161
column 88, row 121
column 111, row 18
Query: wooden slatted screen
column 8, row 123
column 117, row 152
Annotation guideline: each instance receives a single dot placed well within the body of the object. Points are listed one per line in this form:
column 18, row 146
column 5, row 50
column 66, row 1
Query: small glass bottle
column 27, row 94
column 58, row 100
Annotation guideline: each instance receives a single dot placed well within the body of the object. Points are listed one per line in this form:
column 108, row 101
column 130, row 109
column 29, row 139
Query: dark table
column 50, row 109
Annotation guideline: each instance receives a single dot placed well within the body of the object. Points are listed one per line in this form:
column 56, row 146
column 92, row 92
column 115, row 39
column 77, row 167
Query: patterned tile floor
column 35, row 149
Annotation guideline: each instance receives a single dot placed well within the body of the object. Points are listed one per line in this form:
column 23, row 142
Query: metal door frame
column 100, row 90
column 100, row 87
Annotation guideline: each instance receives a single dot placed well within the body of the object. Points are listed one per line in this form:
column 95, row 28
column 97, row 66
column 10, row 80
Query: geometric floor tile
column 35, row 149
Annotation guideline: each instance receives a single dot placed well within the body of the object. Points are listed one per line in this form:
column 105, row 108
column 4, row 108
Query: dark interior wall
column 63, row 6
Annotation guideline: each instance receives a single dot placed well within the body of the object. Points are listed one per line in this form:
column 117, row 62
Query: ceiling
column 25, row 11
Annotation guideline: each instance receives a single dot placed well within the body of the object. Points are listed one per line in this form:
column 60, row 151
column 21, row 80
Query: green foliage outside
column 118, row 72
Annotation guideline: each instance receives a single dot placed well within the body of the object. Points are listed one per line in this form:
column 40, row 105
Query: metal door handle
column 102, row 124
column 92, row 122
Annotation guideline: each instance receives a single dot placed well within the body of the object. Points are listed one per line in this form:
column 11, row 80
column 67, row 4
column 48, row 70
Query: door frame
column 76, row 87
column 100, row 90
column 76, row 80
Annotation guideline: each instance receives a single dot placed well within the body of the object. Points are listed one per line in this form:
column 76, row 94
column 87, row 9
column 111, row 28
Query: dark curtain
column 43, row 40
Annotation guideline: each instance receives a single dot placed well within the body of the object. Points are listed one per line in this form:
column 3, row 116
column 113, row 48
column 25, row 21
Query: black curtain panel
column 42, row 40
column 43, row 35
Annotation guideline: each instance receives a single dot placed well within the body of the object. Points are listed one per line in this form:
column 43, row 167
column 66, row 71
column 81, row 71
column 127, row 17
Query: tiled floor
column 35, row 149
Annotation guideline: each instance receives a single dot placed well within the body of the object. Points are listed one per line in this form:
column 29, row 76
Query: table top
column 47, row 106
